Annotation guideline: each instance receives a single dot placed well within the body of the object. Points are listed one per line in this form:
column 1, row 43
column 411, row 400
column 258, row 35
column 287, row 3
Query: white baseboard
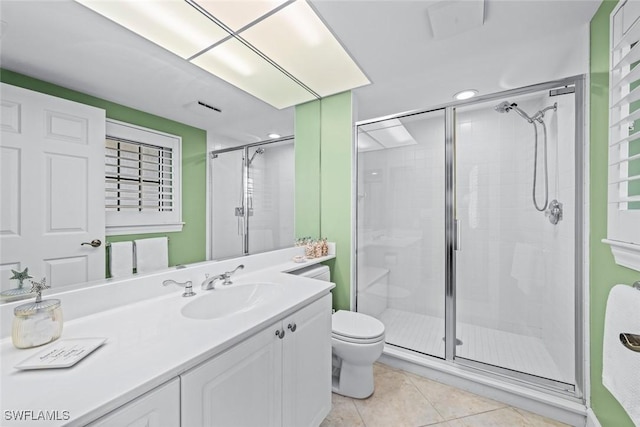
column 592, row 420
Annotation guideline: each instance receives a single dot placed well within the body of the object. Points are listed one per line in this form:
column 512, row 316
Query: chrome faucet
column 188, row 288
column 209, row 282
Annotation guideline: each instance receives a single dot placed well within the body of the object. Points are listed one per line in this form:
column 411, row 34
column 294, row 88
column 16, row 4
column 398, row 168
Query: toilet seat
column 355, row 327
column 357, row 340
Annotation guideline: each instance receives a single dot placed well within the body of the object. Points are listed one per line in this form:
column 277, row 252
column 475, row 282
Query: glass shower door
column 270, row 196
column 515, row 268
column 400, row 231
column 227, row 194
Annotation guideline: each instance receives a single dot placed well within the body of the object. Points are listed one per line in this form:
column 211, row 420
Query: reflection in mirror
column 127, row 76
column 252, row 198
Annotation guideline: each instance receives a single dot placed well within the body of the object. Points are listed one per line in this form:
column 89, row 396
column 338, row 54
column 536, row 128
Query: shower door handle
column 457, row 240
column 239, row 213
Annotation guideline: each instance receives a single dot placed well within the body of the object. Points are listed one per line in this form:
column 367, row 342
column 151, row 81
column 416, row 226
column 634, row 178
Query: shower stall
column 252, row 198
column 469, row 234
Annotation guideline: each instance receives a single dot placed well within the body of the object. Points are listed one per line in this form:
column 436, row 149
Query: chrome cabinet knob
column 280, row 333
column 292, row 327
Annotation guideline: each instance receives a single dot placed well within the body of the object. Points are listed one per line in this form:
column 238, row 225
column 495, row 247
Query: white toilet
column 357, row 341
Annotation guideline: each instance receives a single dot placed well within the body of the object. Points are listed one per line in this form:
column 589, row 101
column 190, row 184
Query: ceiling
column 398, row 44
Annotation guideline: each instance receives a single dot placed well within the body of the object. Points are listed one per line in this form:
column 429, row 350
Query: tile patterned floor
column 402, row 399
column 521, row 353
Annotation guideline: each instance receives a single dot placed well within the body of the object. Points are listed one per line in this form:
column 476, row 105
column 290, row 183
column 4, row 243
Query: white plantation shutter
column 138, row 176
column 142, row 180
column 624, row 135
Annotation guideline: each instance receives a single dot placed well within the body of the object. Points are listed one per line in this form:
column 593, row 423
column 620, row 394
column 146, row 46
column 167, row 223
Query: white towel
column 152, row 254
column 121, row 259
column 621, row 366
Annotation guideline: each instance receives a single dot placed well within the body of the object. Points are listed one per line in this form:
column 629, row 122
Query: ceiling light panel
column 238, row 14
column 366, row 143
column 235, row 63
column 296, row 39
column 392, row 137
column 175, row 25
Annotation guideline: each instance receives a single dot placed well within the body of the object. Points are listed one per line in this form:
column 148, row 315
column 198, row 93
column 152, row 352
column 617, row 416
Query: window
column 624, row 136
column 142, row 180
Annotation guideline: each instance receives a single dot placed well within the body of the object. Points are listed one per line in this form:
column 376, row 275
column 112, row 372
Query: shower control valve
column 554, row 212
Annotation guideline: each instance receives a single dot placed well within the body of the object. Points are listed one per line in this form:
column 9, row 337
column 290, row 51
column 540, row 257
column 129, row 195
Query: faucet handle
column 227, row 275
column 188, row 286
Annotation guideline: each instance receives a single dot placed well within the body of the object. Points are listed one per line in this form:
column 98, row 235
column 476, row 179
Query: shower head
column 258, row 151
column 504, row 107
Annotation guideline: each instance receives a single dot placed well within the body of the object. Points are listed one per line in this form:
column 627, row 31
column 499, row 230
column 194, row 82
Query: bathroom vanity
column 265, row 361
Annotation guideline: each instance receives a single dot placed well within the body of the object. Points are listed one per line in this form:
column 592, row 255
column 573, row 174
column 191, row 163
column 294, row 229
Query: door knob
column 94, row 243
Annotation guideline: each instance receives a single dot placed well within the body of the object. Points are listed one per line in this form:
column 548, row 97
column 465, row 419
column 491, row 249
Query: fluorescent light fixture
column 297, row 40
column 465, row 94
column 276, row 50
column 175, row 25
column 366, row 143
column 273, row 135
column 389, row 133
column 252, row 74
column 237, row 14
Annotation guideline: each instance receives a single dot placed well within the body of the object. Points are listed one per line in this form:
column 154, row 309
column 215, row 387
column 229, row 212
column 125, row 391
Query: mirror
column 68, row 51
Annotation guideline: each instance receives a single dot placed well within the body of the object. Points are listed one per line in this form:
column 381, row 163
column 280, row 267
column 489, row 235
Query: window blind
column 624, row 119
column 138, row 176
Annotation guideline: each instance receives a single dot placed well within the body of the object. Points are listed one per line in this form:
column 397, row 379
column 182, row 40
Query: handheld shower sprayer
column 505, row 107
column 258, row 151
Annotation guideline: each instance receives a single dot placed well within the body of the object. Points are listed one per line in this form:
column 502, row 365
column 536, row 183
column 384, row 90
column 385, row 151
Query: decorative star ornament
column 38, row 287
column 20, row 276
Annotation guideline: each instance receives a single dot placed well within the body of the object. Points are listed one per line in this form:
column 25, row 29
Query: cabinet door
column 157, row 408
column 241, row 387
column 307, row 365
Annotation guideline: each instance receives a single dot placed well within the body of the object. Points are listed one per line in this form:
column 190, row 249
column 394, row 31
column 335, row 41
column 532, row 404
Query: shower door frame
column 452, row 235
column 245, row 182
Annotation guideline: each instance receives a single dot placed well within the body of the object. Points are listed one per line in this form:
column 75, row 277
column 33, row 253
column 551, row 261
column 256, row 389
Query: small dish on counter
column 62, row 354
column 299, row 259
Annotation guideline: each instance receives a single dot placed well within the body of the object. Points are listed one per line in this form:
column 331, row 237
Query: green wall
column 323, row 175
column 307, row 169
column 189, row 245
column 603, row 272
column 336, row 136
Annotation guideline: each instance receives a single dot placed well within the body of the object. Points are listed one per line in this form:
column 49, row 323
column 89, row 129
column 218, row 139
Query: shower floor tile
column 508, row 350
column 402, row 399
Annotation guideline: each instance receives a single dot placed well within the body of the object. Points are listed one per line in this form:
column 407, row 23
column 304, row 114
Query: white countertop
column 148, row 343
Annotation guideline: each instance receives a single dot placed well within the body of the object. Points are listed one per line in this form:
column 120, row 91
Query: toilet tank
column 318, row 272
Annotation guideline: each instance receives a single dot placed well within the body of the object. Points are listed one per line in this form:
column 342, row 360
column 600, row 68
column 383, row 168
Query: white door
column 51, row 188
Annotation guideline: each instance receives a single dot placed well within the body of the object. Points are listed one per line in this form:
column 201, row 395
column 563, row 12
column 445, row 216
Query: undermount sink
column 232, row 299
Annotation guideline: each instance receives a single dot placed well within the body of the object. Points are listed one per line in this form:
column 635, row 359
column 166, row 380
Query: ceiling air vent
column 204, row 104
column 452, row 17
column 202, row 108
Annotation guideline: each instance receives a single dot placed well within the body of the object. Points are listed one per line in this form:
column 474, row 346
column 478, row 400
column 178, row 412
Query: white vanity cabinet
column 306, row 365
column 279, row 377
column 158, row 408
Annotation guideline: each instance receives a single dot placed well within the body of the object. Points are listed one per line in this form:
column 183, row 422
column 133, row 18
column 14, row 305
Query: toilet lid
column 356, row 325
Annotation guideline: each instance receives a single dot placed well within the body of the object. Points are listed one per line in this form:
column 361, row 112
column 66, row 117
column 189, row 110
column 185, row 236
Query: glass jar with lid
column 37, row 323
